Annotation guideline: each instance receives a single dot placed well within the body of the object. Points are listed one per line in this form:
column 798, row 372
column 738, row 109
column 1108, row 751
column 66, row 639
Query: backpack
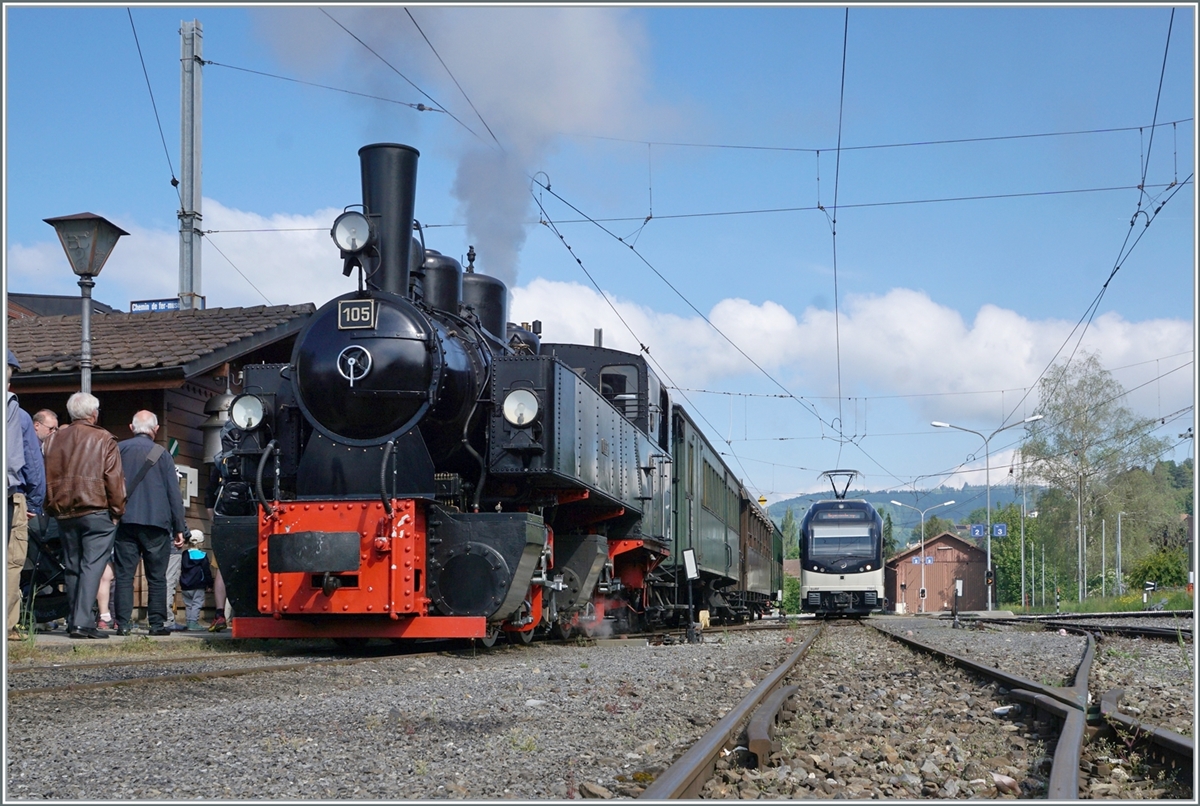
column 195, row 573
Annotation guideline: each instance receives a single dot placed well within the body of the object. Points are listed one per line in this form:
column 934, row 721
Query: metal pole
column 190, row 92
column 1103, row 550
column 922, row 605
column 1079, row 537
column 1023, row 602
column 987, row 471
column 1120, row 580
column 85, row 351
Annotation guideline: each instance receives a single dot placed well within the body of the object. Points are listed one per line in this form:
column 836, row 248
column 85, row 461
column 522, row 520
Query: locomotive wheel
column 489, row 640
column 560, row 631
column 520, row 638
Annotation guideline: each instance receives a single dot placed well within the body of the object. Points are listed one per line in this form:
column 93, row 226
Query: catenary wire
column 452, row 78
column 239, row 271
column 772, row 210
column 418, row 106
column 837, row 330
column 810, row 150
column 549, row 223
column 154, row 106
column 1122, row 254
column 406, row 78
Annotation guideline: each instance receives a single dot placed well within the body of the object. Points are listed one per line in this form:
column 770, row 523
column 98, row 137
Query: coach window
column 619, row 385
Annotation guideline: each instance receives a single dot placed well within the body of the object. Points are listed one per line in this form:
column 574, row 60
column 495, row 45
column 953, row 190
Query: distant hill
column 966, row 500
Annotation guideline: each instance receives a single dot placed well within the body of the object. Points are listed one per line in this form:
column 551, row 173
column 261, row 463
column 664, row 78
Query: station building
column 947, row 558
column 185, row 366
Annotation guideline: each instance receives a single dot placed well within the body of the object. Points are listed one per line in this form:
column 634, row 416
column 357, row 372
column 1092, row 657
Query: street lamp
column 921, row 601
column 988, row 477
column 88, row 240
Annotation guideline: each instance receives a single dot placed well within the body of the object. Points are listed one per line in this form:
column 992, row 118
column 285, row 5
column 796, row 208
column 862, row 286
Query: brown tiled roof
column 147, row 341
column 916, row 547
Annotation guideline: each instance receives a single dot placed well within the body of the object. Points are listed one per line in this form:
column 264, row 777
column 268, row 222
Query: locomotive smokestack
column 389, row 183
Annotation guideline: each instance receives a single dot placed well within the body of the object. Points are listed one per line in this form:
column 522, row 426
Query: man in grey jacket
column 153, row 519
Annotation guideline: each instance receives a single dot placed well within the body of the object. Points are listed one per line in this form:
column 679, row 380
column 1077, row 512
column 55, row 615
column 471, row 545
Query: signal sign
column 999, row 530
column 978, row 530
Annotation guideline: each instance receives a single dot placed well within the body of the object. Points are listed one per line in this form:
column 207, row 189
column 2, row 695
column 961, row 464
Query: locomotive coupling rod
column 687, row 776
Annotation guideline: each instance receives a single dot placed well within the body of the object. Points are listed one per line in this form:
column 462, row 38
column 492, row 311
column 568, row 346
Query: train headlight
column 352, row 231
column 521, row 407
column 868, row 568
column 247, row 412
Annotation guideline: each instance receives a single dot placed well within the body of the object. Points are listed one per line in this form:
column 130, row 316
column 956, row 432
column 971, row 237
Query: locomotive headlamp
column 352, row 231
column 520, row 407
column 247, row 412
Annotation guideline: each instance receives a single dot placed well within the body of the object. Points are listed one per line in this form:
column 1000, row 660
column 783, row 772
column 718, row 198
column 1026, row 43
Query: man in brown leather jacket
column 85, row 491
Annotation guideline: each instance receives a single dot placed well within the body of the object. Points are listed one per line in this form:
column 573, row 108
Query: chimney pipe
column 389, row 183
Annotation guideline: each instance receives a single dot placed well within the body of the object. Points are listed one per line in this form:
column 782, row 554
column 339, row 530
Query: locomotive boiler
column 423, row 468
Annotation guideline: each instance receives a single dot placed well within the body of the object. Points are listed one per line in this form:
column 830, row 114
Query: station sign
column 978, row 530
column 999, row 530
column 153, row 305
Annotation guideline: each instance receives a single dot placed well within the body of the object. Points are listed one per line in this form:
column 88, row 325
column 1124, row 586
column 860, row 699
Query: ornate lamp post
column 88, row 240
column 921, row 601
column 988, row 476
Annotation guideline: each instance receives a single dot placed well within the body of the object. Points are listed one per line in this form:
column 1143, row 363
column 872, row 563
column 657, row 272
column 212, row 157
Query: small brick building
column 947, row 558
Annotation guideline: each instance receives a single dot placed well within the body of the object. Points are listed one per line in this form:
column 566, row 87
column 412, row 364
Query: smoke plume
column 532, row 76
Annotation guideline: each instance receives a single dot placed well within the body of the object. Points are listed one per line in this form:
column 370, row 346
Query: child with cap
column 195, row 576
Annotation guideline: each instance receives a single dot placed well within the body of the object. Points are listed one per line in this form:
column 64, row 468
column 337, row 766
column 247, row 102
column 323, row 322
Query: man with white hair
column 85, row 488
column 153, row 516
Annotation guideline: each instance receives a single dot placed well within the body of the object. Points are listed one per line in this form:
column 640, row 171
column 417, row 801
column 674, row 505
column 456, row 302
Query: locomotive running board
column 366, row 627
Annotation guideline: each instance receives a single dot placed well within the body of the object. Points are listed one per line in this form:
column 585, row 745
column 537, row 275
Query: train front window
column 839, row 541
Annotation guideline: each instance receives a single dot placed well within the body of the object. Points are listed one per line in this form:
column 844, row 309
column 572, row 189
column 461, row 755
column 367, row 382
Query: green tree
column 791, row 594
column 1086, row 443
column 791, row 541
column 889, row 537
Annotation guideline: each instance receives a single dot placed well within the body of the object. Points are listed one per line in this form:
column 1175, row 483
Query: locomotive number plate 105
column 356, row 314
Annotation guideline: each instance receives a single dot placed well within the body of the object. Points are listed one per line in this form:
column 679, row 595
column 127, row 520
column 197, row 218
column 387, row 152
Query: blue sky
column 961, row 268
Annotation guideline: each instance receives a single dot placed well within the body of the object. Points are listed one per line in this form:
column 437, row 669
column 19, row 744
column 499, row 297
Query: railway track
column 1169, row 625
column 69, row 677
column 761, row 750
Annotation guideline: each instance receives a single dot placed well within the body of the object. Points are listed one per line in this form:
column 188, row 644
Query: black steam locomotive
column 424, row 468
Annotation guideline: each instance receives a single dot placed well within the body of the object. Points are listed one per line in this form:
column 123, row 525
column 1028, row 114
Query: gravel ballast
column 544, row 721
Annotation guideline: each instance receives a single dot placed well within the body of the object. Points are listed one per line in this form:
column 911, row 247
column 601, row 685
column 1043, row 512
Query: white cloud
column 277, row 259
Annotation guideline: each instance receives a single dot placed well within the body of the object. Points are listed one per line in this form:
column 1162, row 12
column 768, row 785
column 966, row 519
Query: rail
column 687, row 775
column 1176, row 749
column 1068, row 704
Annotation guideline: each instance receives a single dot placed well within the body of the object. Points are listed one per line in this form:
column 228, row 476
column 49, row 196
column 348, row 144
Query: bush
column 1167, row 568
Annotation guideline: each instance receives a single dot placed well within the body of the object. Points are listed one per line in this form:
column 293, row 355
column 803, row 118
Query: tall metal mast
column 190, row 92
